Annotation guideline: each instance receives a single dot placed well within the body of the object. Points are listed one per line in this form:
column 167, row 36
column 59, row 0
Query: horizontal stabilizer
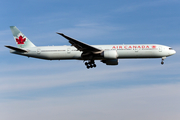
column 16, row 49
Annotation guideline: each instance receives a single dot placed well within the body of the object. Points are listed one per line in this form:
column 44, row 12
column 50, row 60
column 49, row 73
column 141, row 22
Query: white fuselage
column 123, row 51
column 107, row 54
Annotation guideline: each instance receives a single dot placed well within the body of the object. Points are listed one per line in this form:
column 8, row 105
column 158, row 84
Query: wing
column 80, row 45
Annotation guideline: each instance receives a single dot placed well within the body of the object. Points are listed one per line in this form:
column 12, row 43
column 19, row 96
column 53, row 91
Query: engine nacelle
column 110, row 54
column 110, row 61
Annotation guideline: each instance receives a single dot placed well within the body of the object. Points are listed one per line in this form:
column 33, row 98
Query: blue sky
column 135, row 89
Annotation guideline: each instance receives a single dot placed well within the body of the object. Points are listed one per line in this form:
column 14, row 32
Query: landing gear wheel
column 162, row 62
column 88, row 67
column 94, row 65
column 90, row 64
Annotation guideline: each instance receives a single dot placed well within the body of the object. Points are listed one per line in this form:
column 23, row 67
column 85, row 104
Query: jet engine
column 109, row 54
column 110, row 61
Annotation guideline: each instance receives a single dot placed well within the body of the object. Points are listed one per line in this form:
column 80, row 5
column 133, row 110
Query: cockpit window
column 170, row 49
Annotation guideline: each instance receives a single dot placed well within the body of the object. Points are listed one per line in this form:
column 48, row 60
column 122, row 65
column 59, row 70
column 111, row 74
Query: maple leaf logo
column 20, row 40
column 154, row 46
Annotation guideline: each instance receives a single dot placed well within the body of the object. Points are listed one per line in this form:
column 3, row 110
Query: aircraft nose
column 174, row 52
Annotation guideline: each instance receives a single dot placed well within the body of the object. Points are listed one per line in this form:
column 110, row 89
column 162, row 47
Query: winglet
column 67, row 37
column 59, row 33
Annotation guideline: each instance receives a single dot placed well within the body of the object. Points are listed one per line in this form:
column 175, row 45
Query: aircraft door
column 68, row 50
column 38, row 51
column 136, row 49
column 160, row 49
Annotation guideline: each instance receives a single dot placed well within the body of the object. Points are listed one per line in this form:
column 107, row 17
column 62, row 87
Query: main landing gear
column 162, row 62
column 90, row 64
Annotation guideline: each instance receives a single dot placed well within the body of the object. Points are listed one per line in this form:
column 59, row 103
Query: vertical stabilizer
column 21, row 40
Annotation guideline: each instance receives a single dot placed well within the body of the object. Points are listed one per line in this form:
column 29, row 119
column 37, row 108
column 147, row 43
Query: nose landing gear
column 90, row 64
column 162, row 62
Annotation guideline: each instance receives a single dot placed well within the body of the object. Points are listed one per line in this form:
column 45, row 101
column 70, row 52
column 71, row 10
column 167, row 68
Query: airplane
column 108, row 54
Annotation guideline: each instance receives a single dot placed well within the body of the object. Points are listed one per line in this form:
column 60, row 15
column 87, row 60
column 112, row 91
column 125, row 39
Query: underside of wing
column 80, row 45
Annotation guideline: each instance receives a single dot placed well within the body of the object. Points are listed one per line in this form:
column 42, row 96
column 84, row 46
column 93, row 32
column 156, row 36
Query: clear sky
column 142, row 89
